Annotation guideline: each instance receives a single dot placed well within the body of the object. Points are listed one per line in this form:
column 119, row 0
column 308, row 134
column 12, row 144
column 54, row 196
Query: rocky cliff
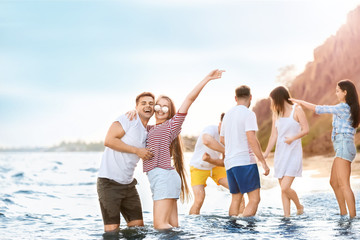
column 338, row 58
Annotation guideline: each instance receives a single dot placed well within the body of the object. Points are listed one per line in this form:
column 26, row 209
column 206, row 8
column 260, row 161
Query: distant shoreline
column 320, row 163
column 82, row 146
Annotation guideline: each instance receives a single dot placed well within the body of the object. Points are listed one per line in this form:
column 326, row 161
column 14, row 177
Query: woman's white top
column 288, row 157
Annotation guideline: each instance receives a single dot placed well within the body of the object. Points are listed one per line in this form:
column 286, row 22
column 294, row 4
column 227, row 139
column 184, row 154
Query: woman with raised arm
column 168, row 184
column 346, row 117
column 289, row 125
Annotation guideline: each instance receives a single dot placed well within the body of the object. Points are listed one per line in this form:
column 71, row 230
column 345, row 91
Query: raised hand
column 304, row 104
column 298, row 101
column 191, row 97
column 215, row 74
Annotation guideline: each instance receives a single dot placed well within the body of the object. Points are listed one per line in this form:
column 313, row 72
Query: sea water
column 53, row 196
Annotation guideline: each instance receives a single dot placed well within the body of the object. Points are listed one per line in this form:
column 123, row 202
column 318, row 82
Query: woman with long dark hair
column 346, row 117
column 289, row 125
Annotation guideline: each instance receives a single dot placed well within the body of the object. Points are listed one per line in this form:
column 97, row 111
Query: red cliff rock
column 338, row 58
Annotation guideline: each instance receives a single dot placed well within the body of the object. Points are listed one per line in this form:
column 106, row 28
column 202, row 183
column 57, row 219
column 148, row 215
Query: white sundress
column 288, row 157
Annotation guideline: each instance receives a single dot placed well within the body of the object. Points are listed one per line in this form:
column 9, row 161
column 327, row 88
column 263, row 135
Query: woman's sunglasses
column 163, row 109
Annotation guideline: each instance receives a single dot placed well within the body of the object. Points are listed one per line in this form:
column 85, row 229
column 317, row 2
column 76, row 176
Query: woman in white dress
column 289, row 125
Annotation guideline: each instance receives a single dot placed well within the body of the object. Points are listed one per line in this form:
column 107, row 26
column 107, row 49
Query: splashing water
column 53, row 196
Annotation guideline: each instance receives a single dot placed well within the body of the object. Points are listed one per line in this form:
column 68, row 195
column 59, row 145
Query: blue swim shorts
column 164, row 183
column 243, row 179
column 344, row 147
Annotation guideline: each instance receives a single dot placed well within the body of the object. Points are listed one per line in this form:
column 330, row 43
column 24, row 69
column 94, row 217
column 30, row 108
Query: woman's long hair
column 351, row 99
column 176, row 153
column 279, row 96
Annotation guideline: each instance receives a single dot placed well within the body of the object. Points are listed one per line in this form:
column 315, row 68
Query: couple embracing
column 129, row 140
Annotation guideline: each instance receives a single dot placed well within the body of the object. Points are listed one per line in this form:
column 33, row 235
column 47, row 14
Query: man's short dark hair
column 242, row 92
column 144, row 94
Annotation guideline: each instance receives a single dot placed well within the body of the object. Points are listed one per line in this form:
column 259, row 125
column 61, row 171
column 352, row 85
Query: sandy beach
column 322, row 165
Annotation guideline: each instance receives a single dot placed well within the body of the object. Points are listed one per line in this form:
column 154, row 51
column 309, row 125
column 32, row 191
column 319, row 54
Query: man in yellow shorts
column 207, row 162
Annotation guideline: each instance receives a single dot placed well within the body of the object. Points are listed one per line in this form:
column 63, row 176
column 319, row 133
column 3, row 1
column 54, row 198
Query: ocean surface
column 53, row 196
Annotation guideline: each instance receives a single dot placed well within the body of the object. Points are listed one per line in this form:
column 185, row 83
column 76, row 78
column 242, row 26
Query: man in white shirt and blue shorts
column 125, row 144
column 241, row 146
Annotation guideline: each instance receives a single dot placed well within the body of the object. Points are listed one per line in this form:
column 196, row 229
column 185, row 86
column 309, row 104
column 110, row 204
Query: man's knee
column 224, row 182
column 111, row 227
column 255, row 200
column 237, row 197
column 254, row 197
column 136, row 223
column 199, row 194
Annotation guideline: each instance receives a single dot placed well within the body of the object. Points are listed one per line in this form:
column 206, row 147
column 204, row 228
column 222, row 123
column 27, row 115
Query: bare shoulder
column 298, row 112
column 298, row 109
column 274, row 116
column 299, row 115
column 116, row 127
column 116, row 124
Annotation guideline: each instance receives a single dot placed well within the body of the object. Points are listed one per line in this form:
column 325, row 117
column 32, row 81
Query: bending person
column 289, row 125
column 346, row 117
column 207, row 162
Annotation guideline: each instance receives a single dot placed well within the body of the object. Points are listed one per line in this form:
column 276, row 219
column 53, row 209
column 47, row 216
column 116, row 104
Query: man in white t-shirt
column 207, row 162
column 241, row 146
column 125, row 144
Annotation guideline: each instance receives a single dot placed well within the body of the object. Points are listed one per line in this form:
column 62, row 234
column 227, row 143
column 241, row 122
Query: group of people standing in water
column 227, row 153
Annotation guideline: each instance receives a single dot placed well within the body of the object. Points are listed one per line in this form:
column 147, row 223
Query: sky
column 69, row 68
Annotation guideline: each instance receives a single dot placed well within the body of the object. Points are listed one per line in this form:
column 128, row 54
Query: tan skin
column 145, row 109
column 287, row 193
column 340, row 170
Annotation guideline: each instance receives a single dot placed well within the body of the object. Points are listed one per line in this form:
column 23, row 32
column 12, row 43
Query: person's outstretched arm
column 272, row 139
column 300, row 115
column 215, row 74
column 304, row 104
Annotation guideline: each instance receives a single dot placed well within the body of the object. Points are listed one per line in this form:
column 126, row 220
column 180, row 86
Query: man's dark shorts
column 116, row 198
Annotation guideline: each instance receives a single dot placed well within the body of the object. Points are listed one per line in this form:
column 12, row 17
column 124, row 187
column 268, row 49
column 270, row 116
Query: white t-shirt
column 120, row 166
column 196, row 160
column 237, row 121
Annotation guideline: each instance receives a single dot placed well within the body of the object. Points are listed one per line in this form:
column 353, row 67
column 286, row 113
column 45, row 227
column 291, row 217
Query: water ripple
column 53, row 196
column 29, row 192
column 18, row 175
column 92, row 170
column 7, row 201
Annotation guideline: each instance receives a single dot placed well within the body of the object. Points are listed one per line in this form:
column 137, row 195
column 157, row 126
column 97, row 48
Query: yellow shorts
column 199, row 177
